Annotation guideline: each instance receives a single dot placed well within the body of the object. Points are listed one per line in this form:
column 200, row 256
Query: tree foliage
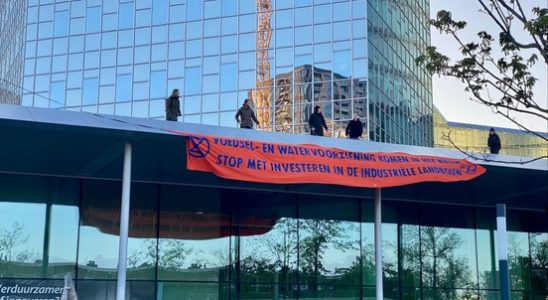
column 496, row 68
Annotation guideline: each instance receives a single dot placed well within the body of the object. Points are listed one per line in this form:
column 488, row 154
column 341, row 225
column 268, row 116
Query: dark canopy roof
column 74, row 144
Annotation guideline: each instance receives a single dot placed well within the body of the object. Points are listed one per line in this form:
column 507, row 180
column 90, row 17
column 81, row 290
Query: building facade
column 473, row 138
column 193, row 235
column 12, row 45
column 124, row 57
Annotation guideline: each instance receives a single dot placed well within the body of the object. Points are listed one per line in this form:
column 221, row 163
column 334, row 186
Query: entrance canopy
column 83, row 145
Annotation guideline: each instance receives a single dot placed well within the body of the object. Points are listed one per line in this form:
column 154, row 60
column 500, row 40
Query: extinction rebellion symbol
column 199, row 147
column 469, row 168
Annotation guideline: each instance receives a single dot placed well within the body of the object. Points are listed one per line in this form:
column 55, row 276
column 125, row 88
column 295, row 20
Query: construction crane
column 262, row 85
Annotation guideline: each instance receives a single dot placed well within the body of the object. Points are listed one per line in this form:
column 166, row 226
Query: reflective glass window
column 359, row 9
column 210, row 102
column 176, row 50
column 43, row 65
column 143, row 18
column 30, row 49
column 32, row 14
column 248, row 23
column 229, row 8
column 193, row 80
column 45, row 30
column 99, row 216
column 46, row 13
column 342, row 31
column 212, row 46
column 141, row 91
column 22, row 229
column 194, row 48
column 125, row 38
column 91, row 60
column 284, row 18
column 75, row 62
column 158, row 82
column 359, row 28
column 93, row 41
column 142, row 36
column 123, row 88
column 229, row 25
column 322, row 52
column 77, row 26
column 246, row 80
column 108, row 58
column 322, row 13
column 90, row 91
column 322, row 33
column 303, row 16
column 192, row 106
column 159, row 52
column 57, row 94
column 211, row 65
column 284, row 37
column 106, row 95
column 93, row 19
column 125, row 56
column 159, row 12
column 211, row 27
column 247, row 42
column 247, row 7
column 61, row 23
column 77, row 8
column 303, row 35
column 74, row 97
column 159, row 34
column 194, row 30
column 228, row 77
column 32, row 31
column 229, row 44
column 125, row 15
column 110, row 22
column 141, row 72
column 110, row 7
column 211, row 84
column 341, row 11
column 76, row 44
column 211, row 9
column 194, row 10
column 247, row 61
column 142, row 54
column 44, row 48
column 176, row 14
column 143, row 4
column 176, row 32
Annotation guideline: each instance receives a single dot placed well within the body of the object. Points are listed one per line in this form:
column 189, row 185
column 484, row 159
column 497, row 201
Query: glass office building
column 12, row 44
column 472, row 137
column 124, row 57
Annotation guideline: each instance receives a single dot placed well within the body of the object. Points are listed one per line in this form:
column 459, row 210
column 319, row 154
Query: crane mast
column 262, row 86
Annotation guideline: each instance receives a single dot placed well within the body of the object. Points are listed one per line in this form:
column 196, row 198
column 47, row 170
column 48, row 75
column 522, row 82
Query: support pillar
column 378, row 246
column 502, row 253
column 124, row 224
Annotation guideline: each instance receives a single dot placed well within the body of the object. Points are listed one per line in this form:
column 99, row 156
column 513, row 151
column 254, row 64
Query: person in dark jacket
column 317, row 122
column 173, row 106
column 493, row 141
column 246, row 116
column 354, row 129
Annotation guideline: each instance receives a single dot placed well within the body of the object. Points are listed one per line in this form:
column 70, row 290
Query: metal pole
column 378, row 246
column 502, row 253
column 124, row 224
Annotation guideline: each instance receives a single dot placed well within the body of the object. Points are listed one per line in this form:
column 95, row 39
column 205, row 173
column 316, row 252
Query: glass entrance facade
column 206, row 243
column 123, row 57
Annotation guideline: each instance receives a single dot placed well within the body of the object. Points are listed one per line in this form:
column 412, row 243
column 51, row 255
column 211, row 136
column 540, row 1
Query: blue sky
column 449, row 95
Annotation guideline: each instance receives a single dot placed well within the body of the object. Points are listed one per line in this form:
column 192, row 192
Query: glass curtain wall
column 124, row 57
column 190, row 242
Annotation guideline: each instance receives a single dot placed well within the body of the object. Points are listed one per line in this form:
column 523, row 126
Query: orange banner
column 256, row 161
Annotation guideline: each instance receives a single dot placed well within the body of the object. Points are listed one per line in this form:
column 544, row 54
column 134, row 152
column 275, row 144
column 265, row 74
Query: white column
column 378, row 246
column 124, row 224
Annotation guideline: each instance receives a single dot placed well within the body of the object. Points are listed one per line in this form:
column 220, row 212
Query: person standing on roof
column 317, row 122
column 173, row 106
column 246, row 116
column 493, row 141
column 354, row 129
